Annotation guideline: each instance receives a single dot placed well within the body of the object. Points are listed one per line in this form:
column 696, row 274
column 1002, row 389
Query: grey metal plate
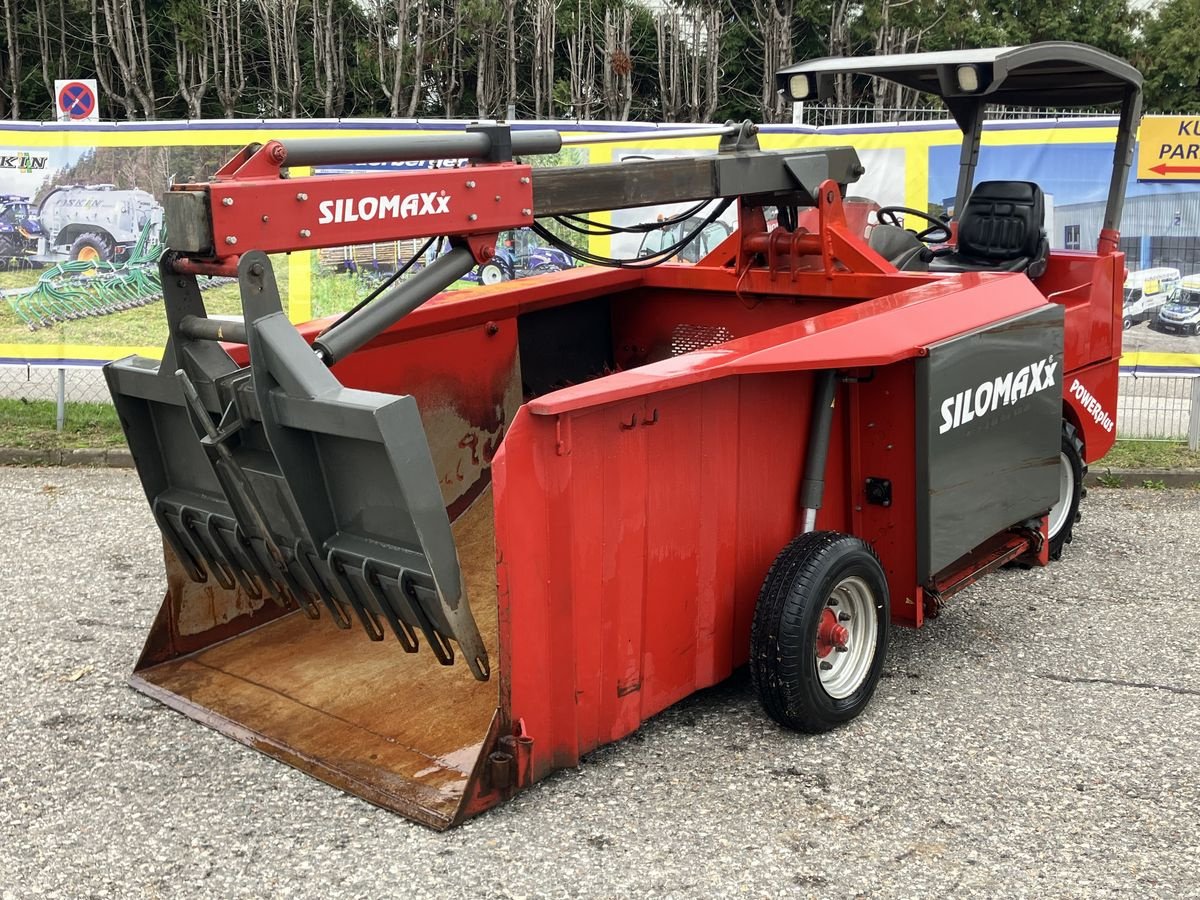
column 989, row 414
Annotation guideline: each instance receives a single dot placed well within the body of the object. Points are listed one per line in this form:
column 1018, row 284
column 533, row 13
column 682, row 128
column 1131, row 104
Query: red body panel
column 637, row 513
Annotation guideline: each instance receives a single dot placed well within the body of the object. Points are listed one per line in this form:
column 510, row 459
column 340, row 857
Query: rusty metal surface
column 397, row 729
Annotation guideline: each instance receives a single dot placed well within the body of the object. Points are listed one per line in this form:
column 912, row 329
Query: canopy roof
column 1051, row 74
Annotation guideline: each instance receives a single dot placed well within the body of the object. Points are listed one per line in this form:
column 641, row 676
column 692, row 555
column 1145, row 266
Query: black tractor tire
column 818, row 576
column 91, row 245
column 1071, row 459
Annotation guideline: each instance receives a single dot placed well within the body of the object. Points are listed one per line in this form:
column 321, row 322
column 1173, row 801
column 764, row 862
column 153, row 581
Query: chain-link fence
column 1149, row 407
column 62, row 386
column 1159, row 408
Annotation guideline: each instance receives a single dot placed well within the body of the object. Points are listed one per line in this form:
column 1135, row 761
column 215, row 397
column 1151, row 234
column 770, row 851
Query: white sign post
column 76, row 100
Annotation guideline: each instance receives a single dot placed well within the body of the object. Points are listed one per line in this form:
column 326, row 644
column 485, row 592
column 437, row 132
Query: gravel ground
column 1040, row 739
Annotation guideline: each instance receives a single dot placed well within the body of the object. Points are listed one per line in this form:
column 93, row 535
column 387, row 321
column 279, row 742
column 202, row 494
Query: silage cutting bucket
column 249, row 470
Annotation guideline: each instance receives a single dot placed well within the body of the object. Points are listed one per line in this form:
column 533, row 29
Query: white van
column 1182, row 315
column 1146, row 291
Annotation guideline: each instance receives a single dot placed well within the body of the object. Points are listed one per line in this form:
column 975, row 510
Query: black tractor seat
column 1001, row 229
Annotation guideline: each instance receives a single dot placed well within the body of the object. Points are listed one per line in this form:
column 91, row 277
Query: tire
column 820, row 581
column 1127, row 323
column 491, row 273
column 92, row 247
column 1065, row 513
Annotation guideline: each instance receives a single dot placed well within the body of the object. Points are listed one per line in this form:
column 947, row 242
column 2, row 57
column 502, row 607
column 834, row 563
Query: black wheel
column 92, row 247
column 820, row 631
column 1071, row 470
column 1127, row 322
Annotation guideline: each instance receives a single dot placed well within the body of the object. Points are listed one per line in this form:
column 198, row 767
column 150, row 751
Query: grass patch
column 142, row 326
column 29, row 424
column 1149, row 455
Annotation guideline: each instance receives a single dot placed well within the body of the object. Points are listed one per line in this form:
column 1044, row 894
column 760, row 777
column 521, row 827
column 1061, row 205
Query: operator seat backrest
column 1002, row 221
column 1001, row 229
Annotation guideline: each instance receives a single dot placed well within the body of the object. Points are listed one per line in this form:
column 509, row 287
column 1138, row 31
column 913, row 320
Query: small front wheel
column 820, row 631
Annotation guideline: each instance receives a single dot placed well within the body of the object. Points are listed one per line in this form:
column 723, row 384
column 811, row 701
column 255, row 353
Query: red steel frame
column 637, row 513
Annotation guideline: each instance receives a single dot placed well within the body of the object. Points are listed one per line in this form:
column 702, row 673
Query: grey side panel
column 989, row 414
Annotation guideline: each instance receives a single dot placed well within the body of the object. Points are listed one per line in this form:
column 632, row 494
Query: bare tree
column 231, row 64
column 618, row 63
column 279, row 20
column 124, row 39
column 329, row 60
column 581, row 62
column 418, row 56
column 670, row 63
column 774, row 21
column 545, row 22
column 901, row 33
column 193, row 57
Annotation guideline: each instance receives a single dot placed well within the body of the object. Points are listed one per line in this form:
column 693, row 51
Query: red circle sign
column 77, row 100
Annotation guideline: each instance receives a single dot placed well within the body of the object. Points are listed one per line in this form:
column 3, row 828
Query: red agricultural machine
column 575, row 485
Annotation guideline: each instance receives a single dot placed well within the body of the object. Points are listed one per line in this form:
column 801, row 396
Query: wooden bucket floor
column 397, row 729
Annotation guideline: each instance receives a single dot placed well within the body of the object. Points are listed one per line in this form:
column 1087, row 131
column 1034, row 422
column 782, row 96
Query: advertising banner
column 81, row 223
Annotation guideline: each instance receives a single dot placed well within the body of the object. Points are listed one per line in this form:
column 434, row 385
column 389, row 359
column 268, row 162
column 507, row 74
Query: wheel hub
column 846, row 636
column 830, row 635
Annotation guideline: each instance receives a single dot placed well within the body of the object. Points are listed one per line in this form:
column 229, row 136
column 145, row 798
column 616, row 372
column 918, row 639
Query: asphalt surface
column 1040, row 739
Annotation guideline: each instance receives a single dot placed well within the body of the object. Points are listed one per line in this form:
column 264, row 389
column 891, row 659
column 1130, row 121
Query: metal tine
column 404, row 632
column 350, row 595
column 296, row 590
column 178, row 543
column 264, row 577
column 305, row 557
column 249, row 585
column 441, row 647
column 214, row 563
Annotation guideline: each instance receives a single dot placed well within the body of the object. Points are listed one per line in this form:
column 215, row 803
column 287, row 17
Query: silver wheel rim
column 1066, row 490
column 843, row 670
column 491, row 275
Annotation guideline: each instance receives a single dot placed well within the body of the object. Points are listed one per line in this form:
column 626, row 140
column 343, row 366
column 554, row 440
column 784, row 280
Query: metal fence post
column 61, row 417
column 1194, row 417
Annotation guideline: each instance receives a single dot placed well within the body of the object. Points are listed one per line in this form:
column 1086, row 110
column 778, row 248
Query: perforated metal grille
column 686, row 338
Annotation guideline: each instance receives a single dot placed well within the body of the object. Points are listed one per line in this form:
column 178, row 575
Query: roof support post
column 1131, row 111
column 969, row 116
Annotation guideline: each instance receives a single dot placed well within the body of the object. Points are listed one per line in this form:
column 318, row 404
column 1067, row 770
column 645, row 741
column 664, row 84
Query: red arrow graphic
column 1163, row 169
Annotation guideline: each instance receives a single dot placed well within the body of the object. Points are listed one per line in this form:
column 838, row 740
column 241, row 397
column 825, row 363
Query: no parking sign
column 76, row 100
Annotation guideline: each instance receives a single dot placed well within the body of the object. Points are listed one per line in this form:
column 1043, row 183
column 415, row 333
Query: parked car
column 1182, row 314
column 1146, row 291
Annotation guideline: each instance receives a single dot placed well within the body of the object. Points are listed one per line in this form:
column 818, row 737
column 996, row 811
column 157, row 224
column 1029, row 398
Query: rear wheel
column 820, row 631
column 1071, row 470
column 92, row 247
column 1127, row 322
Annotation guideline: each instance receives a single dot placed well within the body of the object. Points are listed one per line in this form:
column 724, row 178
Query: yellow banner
column 1169, row 148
